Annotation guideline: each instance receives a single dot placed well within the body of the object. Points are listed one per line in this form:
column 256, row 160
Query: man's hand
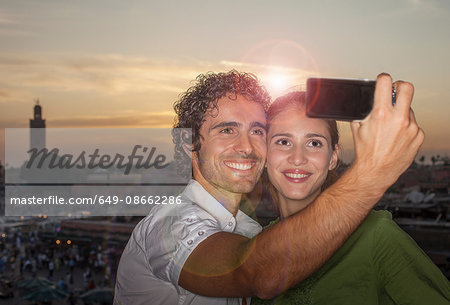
column 388, row 139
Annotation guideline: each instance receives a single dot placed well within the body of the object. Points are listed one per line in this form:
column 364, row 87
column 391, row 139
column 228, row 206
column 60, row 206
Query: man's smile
column 240, row 165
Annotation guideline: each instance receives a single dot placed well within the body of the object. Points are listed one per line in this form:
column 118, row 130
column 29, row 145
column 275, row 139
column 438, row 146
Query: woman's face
column 299, row 154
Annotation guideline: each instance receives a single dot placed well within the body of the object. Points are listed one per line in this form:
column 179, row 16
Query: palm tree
column 422, row 160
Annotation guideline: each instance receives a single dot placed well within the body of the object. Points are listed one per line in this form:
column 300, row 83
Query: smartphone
column 339, row 99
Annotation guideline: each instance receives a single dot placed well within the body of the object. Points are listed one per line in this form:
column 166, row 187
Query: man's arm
column 230, row 265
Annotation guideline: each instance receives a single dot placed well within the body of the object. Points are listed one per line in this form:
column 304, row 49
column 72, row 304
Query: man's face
column 233, row 146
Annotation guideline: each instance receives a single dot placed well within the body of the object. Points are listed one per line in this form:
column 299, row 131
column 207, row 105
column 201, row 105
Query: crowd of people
column 74, row 268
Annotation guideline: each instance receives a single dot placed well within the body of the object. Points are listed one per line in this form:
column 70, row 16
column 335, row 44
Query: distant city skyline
column 347, row 154
column 123, row 64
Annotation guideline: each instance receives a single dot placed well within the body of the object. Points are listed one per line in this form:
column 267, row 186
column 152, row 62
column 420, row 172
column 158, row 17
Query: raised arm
column 230, row 265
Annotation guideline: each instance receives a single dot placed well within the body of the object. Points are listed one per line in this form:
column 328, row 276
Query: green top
column 378, row 264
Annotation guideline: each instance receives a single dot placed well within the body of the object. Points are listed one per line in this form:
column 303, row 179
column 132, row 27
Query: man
column 206, row 251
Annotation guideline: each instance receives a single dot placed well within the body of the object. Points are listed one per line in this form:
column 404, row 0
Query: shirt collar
column 197, row 194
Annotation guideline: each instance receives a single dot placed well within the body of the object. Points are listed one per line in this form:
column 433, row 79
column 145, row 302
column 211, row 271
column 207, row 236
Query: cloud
column 278, row 79
column 13, row 32
column 152, row 119
column 101, row 74
column 4, row 94
column 10, row 26
column 247, row 65
column 22, row 77
column 13, row 123
column 162, row 119
column 413, row 7
column 14, row 95
column 6, row 18
column 432, row 5
column 111, row 89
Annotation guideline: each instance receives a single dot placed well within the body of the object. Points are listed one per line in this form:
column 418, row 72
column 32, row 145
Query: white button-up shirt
column 160, row 244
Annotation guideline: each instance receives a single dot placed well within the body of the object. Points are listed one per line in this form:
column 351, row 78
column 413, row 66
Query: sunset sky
column 123, row 63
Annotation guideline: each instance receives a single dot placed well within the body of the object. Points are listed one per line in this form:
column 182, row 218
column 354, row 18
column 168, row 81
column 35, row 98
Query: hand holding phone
column 340, row 99
column 387, row 140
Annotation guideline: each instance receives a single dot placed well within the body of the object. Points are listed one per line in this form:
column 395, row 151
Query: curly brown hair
column 198, row 99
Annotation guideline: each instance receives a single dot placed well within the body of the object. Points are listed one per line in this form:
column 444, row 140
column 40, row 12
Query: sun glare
column 277, row 83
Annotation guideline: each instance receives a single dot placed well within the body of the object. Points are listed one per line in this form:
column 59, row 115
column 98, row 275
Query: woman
column 379, row 263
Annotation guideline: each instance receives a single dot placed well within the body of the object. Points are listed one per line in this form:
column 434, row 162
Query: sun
column 277, row 82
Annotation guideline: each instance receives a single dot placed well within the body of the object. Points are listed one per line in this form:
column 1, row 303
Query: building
column 37, row 128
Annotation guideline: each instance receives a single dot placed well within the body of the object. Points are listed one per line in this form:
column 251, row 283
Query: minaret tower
column 37, row 128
